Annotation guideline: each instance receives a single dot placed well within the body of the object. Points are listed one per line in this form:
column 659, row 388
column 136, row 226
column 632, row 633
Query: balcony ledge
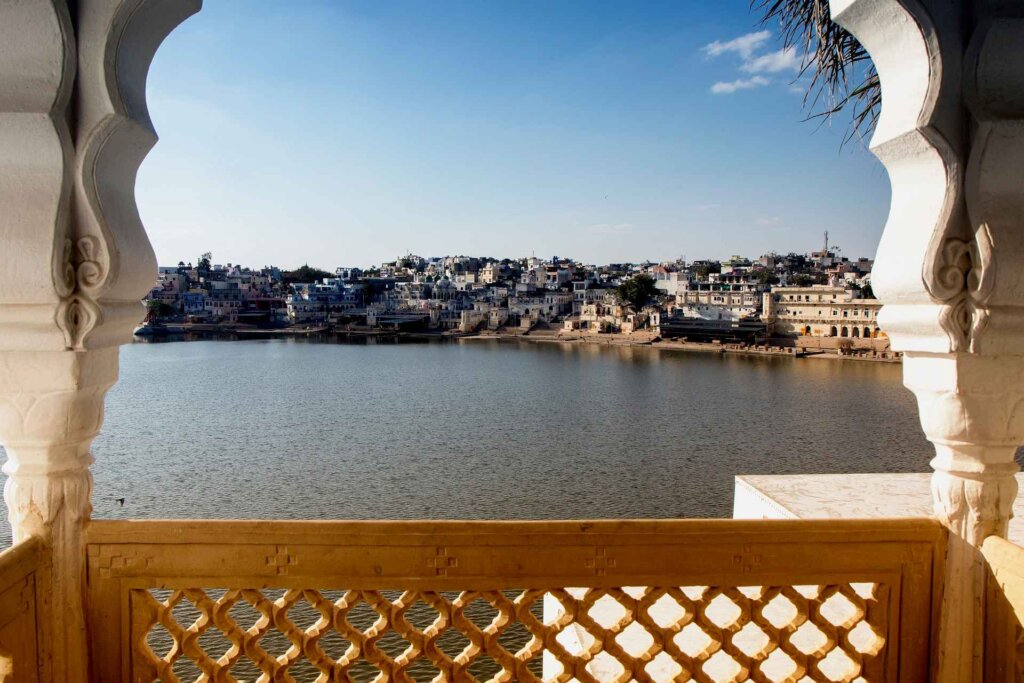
column 847, row 496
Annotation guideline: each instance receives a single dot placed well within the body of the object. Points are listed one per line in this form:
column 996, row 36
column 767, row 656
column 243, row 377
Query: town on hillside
column 815, row 303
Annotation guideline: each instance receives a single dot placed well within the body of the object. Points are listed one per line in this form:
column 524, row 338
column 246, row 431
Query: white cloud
column 785, row 59
column 744, row 46
column 729, row 87
column 774, row 220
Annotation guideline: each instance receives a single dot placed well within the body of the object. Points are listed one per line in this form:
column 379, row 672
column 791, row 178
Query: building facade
column 821, row 311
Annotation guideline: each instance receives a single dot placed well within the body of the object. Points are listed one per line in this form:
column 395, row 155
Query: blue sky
column 342, row 132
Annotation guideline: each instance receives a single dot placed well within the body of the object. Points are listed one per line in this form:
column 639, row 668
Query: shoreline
column 681, row 346
column 214, row 332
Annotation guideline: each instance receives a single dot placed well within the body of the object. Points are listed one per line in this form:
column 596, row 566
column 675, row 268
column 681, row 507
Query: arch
column 833, row 332
column 807, row 330
column 845, row 332
column 867, row 333
column 856, row 332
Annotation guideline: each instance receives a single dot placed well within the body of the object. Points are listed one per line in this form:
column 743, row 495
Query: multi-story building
column 194, row 302
column 669, row 282
column 729, row 297
column 490, row 273
column 821, row 311
column 318, row 301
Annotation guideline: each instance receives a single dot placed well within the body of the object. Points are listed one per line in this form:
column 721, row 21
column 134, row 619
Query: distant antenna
column 826, row 243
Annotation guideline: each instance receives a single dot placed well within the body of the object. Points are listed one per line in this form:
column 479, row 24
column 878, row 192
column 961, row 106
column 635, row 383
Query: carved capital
column 51, row 408
column 972, row 410
column 36, row 502
column 974, row 507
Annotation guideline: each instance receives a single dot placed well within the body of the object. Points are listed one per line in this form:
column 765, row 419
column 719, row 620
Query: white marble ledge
column 846, row 496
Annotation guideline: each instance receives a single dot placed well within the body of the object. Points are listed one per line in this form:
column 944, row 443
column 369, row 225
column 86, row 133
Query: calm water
column 293, row 430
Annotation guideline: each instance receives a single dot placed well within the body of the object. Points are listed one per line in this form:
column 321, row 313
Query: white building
column 718, row 301
column 821, row 311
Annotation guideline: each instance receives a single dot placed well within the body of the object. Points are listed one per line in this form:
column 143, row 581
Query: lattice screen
column 782, row 633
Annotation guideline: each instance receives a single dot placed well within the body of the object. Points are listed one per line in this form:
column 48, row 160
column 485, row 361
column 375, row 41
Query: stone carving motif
column 90, row 271
column 963, row 281
column 76, row 316
column 441, row 562
column 974, row 508
column 36, row 501
column 949, row 285
column 85, row 271
column 600, row 563
column 281, row 560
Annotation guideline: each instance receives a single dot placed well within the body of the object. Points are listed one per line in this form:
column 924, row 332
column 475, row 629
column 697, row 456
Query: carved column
column 74, row 262
column 950, row 266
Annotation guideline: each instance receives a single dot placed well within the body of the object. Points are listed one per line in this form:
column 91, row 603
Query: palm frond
column 836, row 67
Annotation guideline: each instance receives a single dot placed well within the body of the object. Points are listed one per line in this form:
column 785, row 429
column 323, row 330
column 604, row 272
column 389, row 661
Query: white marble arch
column 75, row 261
column 949, row 266
column 74, row 129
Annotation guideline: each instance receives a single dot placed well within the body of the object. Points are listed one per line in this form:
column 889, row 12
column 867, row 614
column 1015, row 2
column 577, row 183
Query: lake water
column 297, row 430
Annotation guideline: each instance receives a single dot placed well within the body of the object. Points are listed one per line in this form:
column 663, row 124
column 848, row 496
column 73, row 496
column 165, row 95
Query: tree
column 840, row 69
column 867, row 292
column 158, row 309
column 306, row 274
column 203, row 265
column 367, row 293
column 766, row 277
column 702, row 270
column 637, row 291
column 803, row 280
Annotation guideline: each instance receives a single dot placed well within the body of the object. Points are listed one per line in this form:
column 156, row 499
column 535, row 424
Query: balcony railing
column 1004, row 611
column 716, row 600
column 23, row 597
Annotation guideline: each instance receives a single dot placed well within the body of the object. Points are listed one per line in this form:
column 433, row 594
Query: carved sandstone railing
column 24, row 595
column 452, row 601
column 1004, row 611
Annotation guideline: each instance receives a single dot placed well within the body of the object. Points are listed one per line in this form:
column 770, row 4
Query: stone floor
column 846, row 496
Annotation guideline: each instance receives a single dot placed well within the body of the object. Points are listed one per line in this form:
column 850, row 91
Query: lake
column 291, row 429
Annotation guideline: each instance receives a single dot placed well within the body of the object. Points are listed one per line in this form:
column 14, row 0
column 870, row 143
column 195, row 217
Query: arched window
column 867, row 333
column 833, row 332
column 856, row 332
column 845, row 333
